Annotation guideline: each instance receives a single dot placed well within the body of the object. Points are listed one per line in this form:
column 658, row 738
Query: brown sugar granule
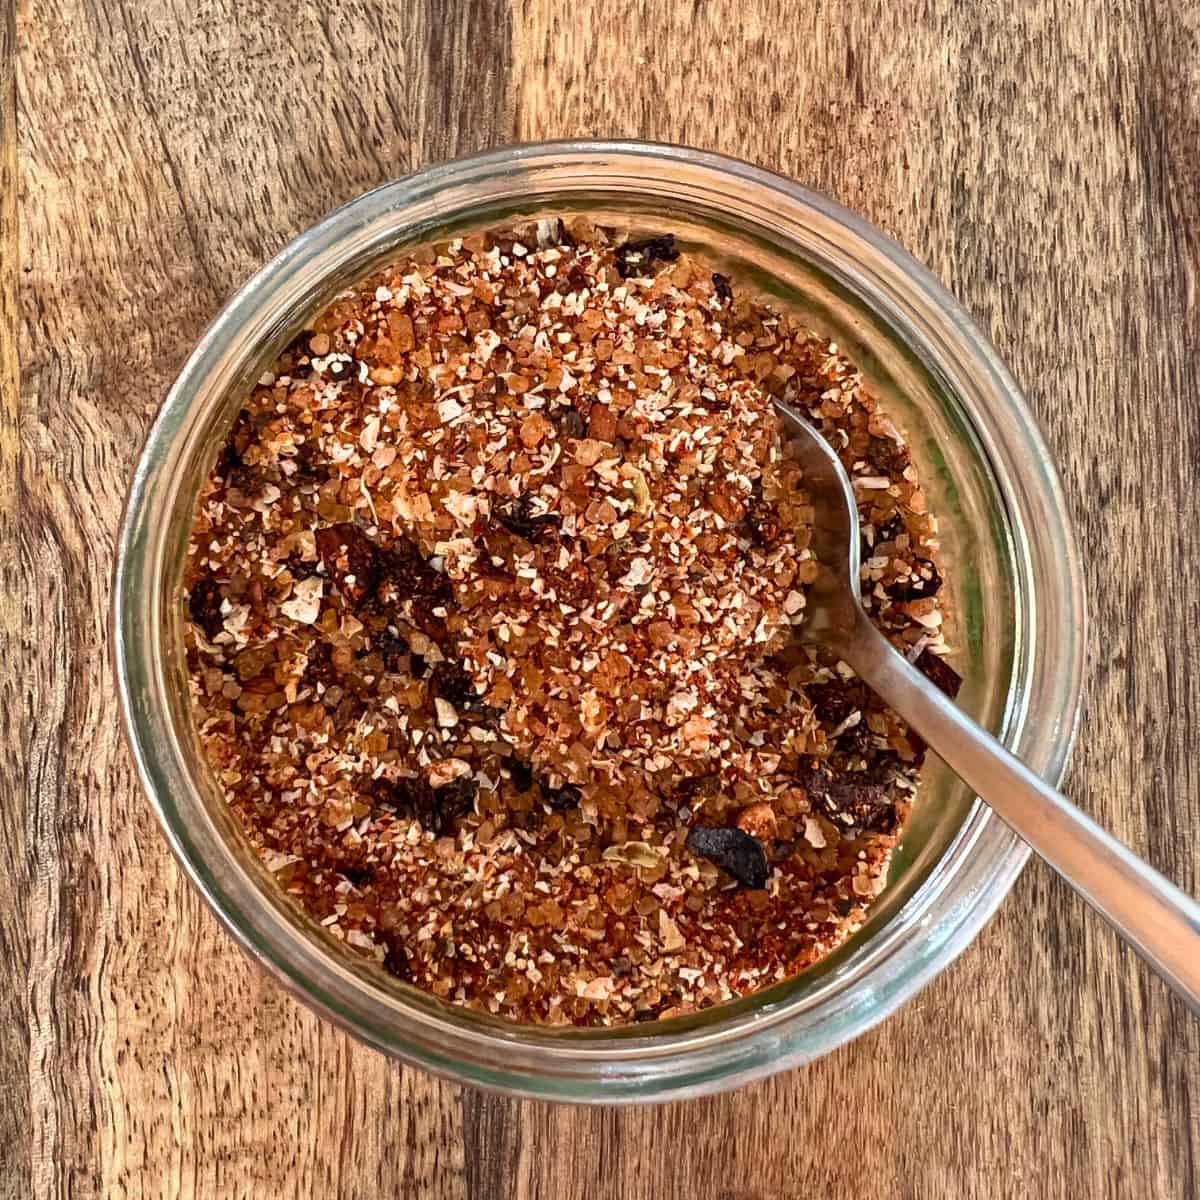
column 491, row 598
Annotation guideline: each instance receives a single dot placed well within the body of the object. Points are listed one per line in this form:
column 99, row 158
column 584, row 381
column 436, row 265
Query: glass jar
column 1014, row 590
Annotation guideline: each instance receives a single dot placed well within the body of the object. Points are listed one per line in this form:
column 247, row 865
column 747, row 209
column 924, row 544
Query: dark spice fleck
column 396, row 961
column 633, row 258
column 890, row 529
column 857, row 740
column 518, row 518
column 723, row 287
column 521, row 773
column 434, row 809
column 298, row 354
column 359, row 874
column 698, row 786
column 855, row 799
column 526, row 818
column 926, row 581
column 320, row 668
column 572, row 423
column 340, row 369
column 351, row 560
column 386, row 795
column 310, row 464
column 834, row 701
column 762, row 524
column 236, row 444
column 204, row 606
column 560, row 798
column 298, row 346
column 939, row 672
column 392, row 648
column 734, row 851
column 451, row 683
column 451, row 803
column 405, row 575
column 886, row 455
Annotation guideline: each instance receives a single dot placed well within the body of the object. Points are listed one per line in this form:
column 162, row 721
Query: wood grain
column 1042, row 158
column 15, row 1042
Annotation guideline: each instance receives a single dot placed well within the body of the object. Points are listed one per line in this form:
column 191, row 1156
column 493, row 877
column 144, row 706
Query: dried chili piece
column 854, row 799
column 734, row 851
column 521, row 773
column 939, row 672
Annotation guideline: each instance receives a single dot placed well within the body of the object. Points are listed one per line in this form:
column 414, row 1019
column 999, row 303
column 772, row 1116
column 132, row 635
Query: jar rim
column 611, row 1066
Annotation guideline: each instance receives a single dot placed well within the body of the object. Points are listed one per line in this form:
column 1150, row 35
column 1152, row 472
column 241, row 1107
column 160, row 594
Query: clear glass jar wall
column 1011, row 558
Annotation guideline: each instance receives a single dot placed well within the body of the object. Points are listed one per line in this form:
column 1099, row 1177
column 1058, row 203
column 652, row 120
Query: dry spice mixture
column 491, row 597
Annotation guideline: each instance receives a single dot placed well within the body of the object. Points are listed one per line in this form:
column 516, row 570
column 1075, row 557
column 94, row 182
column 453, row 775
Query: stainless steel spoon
column 1158, row 920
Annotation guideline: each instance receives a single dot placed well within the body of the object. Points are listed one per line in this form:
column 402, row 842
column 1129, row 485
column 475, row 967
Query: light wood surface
column 1043, row 158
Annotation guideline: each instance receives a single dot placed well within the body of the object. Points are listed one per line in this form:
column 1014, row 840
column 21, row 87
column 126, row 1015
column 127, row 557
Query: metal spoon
column 1158, row 920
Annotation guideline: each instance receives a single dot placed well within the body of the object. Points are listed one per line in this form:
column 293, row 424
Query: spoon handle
column 1158, row 920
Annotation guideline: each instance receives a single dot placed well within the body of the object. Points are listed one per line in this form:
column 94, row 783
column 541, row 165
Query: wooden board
column 1041, row 157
